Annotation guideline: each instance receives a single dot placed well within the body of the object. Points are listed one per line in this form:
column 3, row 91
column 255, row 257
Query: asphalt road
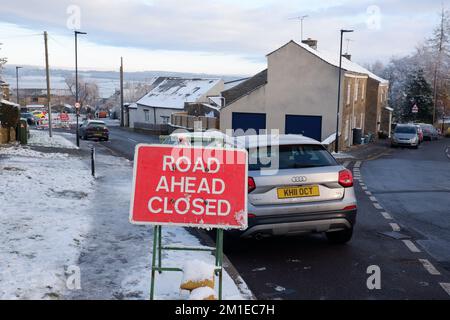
column 414, row 185
column 310, row 268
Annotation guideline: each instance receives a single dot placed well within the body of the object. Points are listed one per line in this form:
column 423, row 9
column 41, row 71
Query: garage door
column 246, row 121
column 309, row 126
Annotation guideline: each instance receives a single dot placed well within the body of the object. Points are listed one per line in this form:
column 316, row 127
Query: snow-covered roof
column 2, row 101
column 234, row 83
column 347, row 65
column 173, row 93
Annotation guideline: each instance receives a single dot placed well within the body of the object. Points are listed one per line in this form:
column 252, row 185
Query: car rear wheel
column 340, row 237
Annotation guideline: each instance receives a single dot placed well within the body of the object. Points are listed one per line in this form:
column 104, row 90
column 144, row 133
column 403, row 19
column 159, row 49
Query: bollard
column 93, row 161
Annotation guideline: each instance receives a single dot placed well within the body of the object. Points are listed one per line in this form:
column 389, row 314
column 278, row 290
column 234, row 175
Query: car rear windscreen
column 289, row 157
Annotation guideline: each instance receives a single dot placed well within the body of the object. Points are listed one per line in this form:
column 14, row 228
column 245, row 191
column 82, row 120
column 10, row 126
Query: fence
column 188, row 122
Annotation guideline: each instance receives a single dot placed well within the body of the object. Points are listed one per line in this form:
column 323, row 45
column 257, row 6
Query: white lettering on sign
column 189, row 186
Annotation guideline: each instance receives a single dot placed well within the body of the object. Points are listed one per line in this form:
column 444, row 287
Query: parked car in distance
column 306, row 192
column 39, row 114
column 405, row 135
column 31, row 120
column 92, row 129
column 429, row 132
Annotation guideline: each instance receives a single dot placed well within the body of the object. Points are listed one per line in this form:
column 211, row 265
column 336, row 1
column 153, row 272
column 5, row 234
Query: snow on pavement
column 41, row 138
column 43, row 218
column 54, row 215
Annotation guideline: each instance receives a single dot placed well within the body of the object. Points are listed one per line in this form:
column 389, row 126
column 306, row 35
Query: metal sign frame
column 157, row 258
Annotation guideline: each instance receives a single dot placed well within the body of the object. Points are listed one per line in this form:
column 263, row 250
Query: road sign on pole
column 415, row 109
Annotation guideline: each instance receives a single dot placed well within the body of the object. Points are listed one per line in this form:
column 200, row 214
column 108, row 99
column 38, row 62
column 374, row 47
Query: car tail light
column 251, row 216
column 350, row 208
column 346, row 178
column 251, row 185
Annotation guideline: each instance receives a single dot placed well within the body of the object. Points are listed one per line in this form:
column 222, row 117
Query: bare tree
column 3, row 61
column 88, row 92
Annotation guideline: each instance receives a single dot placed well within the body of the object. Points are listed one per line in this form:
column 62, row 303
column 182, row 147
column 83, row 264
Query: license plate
column 298, row 192
column 98, row 135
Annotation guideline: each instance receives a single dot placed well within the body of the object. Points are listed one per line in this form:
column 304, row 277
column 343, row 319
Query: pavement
column 392, row 234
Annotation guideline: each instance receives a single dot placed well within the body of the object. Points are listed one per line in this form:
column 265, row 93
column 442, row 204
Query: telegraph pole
column 17, row 84
column 47, row 71
column 122, row 122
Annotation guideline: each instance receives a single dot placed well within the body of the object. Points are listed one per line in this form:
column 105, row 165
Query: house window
column 356, row 90
column 349, row 91
column 347, row 130
column 165, row 119
column 147, row 115
column 363, row 91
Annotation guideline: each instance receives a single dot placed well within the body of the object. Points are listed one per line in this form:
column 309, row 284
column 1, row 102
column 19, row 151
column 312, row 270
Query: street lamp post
column 339, row 92
column 76, row 82
column 17, row 83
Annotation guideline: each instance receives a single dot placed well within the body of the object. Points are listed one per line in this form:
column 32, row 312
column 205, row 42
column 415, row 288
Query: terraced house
column 297, row 94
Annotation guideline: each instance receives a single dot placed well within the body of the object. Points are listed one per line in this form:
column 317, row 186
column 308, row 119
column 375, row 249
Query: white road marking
column 378, row 206
column 132, row 140
column 364, row 188
column 446, row 287
column 387, row 216
column 373, row 199
column 395, row 227
column 429, row 267
column 368, row 193
column 346, row 164
column 358, row 164
column 411, row 246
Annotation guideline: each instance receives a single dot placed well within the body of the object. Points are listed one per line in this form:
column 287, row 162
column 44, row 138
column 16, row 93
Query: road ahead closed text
column 190, row 187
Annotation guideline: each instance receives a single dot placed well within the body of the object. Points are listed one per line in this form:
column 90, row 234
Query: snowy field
column 55, row 217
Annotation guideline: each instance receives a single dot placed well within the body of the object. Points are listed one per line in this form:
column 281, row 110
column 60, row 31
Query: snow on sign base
column 190, row 186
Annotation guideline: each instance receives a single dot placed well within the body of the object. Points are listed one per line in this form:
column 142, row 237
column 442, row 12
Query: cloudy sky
column 206, row 36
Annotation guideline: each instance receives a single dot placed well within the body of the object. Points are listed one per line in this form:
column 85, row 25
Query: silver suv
column 301, row 189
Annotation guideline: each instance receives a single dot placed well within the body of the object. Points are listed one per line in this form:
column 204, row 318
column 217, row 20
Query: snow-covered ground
column 42, row 139
column 54, row 216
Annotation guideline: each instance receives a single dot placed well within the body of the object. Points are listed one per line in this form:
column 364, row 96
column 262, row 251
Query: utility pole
column 122, row 122
column 336, row 143
column 17, row 84
column 47, row 71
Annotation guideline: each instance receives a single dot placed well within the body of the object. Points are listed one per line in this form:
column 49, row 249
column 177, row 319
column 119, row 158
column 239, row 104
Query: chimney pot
column 310, row 42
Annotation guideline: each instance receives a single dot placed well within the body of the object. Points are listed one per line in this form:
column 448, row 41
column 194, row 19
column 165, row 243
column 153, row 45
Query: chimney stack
column 310, row 42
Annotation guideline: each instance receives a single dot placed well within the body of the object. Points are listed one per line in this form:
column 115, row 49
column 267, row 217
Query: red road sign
column 195, row 187
column 64, row 117
column 415, row 109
